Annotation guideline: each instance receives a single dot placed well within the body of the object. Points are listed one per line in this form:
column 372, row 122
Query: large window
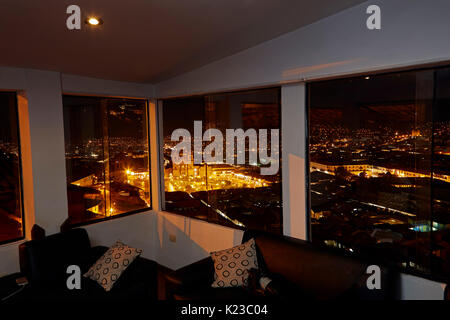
column 379, row 159
column 231, row 189
column 11, row 215
column 107, row 157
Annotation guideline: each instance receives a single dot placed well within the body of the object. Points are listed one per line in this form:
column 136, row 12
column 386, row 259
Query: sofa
column 44, row 263
column 300, row 270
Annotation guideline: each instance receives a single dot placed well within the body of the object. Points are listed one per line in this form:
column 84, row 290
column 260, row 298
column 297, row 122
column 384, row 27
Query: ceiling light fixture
column 94, row 21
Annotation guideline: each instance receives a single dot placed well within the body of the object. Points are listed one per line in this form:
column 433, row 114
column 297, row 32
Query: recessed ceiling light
column 93, row 21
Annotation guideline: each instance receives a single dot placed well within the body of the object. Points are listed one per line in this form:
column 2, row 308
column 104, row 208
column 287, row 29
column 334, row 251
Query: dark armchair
column 44, row 263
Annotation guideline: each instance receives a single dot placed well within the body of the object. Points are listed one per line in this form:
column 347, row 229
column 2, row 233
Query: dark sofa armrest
column 195, row 275
column 200, row 273
column 98, row 251
column 91, row 257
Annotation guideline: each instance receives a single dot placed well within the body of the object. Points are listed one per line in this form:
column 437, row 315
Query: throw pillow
column 109, row 267
column 231, row 266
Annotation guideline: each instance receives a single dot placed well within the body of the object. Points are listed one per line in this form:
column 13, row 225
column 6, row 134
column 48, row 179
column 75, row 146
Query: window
column 230, row 188
column 107, row 157
column 11, row 210
column 379, row 160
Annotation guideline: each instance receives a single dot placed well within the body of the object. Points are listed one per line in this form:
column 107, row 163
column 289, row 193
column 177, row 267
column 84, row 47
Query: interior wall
column 135, row 230
column 337, row 45
column 43, row 90
column 415, row 288
column 181, row 240
column 85, row 85
column 293, row 160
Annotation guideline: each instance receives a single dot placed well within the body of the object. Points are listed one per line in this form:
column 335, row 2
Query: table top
column 8, row 284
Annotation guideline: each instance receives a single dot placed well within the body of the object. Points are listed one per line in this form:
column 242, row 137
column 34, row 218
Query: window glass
column 11, row 215
column 225, row 184
column 107, row 157
column 379, row 166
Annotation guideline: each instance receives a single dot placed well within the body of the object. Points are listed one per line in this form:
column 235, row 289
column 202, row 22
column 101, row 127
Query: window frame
column 160, row 126
column 147, row 121
column 19, row 151
column 432, row 275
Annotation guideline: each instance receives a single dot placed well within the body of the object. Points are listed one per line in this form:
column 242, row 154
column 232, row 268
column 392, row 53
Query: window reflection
column 107, row 159
column 379, row 166
column 233, row 195
column 11, row 222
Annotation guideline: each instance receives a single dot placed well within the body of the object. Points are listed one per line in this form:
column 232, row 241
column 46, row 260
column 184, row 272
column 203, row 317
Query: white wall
column 413, row 32
column 293, row 160
column 136, row 230
column 43, row 91
column 85, row 85
column 195, row 239
column 415, row 288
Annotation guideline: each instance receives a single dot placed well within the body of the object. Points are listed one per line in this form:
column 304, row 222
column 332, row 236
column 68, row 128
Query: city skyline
column 231, row 194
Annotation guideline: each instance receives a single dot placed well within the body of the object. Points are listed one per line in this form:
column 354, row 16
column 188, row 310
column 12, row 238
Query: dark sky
column 8, row 117
column 385, row 96
column 228, row 110
column 83, row 118
column 181, row 113
column 442, row 109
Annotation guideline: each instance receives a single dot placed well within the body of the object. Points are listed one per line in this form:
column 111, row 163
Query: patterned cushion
column 231, row 265
column 108, row 268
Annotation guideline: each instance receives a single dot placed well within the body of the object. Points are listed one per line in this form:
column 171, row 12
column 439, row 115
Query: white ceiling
column 146, row 40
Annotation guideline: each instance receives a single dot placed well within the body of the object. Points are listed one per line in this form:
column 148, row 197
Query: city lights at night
column 380, row 178
column 226, row 193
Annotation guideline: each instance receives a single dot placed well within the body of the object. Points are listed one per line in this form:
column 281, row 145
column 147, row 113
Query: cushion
column 231, row 266
column 109, row 267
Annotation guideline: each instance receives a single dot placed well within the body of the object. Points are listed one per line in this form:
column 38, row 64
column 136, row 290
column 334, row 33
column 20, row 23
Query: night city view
column 11, row 223
column 232, row 195
column 107, row 160
column 379, row 157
